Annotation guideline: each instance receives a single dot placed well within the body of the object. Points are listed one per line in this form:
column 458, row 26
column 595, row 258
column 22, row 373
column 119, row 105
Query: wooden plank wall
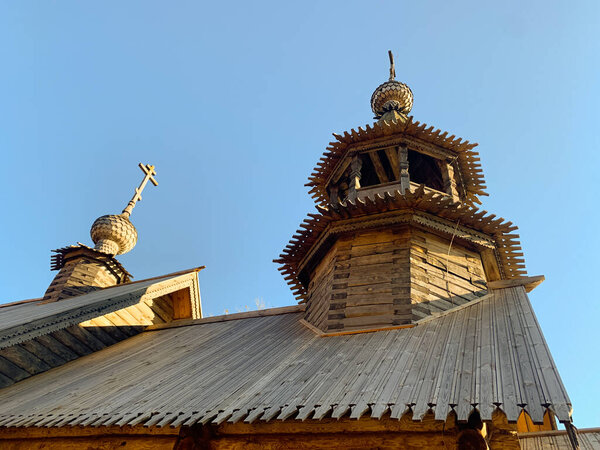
column 97, row 438
column 371, row 277
column 391, row 277
column 320, row 290
column 54, row 349
column 443, row 275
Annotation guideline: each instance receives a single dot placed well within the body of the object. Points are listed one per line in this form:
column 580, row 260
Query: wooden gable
column 37, row 336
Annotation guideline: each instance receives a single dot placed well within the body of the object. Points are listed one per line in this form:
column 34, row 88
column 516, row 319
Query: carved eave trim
column 416, row 135
column 427, row 209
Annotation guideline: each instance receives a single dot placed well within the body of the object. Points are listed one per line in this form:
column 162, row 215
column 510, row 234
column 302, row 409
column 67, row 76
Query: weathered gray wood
column 404, row 173
column 11, row 370
column 56, row 347
column 70, row 341
column 87, row 338
column 5, row 380
column 44, row 353
column 100, row 334
column 24, row 359
column 200, row 370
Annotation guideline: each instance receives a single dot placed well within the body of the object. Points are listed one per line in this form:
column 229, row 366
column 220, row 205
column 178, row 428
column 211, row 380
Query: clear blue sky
column 234, row 102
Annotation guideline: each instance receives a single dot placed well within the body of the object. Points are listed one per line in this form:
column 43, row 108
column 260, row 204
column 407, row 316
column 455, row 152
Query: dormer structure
column 397, row 236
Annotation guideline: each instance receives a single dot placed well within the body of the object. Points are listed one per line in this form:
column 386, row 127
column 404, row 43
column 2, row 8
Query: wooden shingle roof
column 418, row 133
column 490, row 354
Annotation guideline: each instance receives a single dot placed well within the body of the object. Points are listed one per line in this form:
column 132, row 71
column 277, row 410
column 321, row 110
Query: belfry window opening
column 424, row 169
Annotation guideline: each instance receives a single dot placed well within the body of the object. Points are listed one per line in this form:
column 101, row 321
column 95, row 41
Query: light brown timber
column 530, row 283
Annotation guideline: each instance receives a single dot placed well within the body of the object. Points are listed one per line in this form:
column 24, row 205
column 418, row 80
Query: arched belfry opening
column 393, row 168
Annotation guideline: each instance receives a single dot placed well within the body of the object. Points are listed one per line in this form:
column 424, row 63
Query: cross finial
column 392, row 68
column 150, row 172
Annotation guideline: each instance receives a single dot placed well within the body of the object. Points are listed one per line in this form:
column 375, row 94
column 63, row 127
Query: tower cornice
column 494, row 236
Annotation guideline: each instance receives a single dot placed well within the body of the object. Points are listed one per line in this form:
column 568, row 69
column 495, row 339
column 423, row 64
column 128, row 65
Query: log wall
column 344, row 433
column 391, row 277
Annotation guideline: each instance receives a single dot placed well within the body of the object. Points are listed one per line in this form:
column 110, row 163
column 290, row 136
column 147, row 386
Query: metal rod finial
column 392, row 68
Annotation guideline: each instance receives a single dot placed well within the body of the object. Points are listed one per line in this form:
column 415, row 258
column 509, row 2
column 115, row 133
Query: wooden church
column 413, row 328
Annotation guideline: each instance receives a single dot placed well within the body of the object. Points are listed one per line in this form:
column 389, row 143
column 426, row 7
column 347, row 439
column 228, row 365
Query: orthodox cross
column 150, row 172
column 392, row 68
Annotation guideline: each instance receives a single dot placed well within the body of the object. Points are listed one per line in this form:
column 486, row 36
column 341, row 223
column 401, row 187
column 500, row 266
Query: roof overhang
column 417, row 206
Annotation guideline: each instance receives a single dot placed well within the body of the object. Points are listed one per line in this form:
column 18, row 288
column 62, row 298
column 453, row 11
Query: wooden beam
column 336, row 441
column 404, row 174
column 152, row 442
column 392, row 155
column 89, row 431
column 343, row 425
column 378, row 167
column 354, row 181
column 448, row 178
column 182, row 306
column 530, row 283
column 490, row 265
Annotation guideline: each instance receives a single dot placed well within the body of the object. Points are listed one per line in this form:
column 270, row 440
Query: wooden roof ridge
column 227, row 317
column 21, row 302
column 168, row 275
column 173, row 274
column 467, row 159
column 419, row 199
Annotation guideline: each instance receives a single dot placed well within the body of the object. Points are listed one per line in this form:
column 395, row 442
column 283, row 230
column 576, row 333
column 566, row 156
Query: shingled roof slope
column 490, row 354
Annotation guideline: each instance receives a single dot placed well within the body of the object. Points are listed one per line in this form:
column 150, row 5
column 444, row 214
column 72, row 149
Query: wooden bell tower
column 397, row 237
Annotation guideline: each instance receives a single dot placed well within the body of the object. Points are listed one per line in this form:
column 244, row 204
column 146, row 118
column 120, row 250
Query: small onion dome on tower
column 114, row 234
column 392, row 99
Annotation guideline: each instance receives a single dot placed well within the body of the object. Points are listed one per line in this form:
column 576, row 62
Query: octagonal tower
column 397, row 237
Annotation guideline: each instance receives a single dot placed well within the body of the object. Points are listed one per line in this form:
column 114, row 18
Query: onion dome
column 113, row 234
column 391, row 95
